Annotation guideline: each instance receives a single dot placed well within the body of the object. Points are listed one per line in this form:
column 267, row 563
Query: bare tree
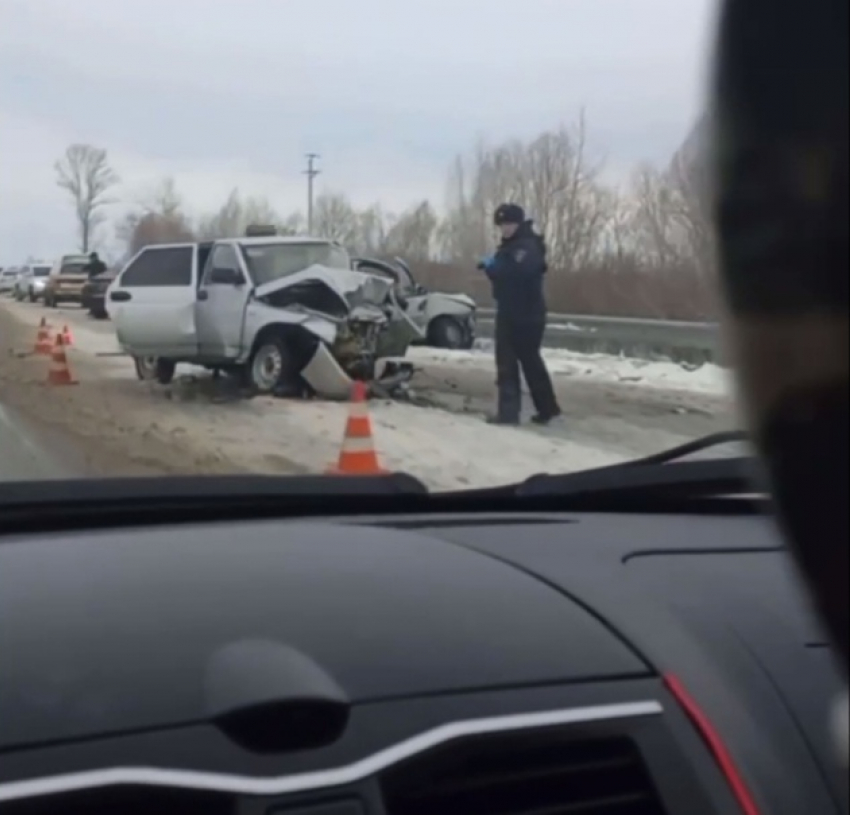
column 159, row 217
column 237, row 213
column 413, row 233
column 552, row 176
column 334, row 218
column 84, row 171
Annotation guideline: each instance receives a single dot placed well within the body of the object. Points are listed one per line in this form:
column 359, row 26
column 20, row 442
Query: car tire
column 32, row 296
column 271, row 365
column 448, row 332
column 150, row 369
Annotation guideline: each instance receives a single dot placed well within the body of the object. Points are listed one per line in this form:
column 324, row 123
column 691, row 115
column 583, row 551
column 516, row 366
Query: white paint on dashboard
column 323, row 779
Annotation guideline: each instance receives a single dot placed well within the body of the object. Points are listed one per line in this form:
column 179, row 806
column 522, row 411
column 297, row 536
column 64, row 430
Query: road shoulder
column 103, row 431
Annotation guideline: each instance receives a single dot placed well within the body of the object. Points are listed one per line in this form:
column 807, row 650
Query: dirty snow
column 707, row 379
column 443, row 449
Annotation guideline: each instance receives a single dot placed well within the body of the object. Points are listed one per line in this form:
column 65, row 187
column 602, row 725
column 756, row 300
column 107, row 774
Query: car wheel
column 447, row 332
column 32, row 296
column 270, row 366
column 150, row 369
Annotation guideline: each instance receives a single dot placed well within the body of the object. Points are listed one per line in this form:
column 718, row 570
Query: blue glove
column 487, row 262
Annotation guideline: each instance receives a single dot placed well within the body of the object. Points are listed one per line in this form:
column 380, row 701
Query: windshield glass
column 273, row 261
column 591, row 125
column 41, row 271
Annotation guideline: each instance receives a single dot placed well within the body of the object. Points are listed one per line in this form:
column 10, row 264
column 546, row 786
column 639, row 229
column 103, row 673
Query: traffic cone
column 43, row 343
column 67, row 337
column 358, row 456
column 59, row 373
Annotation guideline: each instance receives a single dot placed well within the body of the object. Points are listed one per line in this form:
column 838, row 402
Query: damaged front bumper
column 327, row 378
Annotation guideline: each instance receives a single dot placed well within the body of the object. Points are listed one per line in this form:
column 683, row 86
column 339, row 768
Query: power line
column 311, row 172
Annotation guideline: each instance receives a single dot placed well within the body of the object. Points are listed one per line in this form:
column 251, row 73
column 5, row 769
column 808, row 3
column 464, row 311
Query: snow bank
column 706, row 379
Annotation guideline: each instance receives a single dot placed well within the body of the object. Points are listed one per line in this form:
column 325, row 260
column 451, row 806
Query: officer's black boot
column 545, row 418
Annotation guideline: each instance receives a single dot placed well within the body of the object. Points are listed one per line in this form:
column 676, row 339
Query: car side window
column 221, row 266
column 171, row 266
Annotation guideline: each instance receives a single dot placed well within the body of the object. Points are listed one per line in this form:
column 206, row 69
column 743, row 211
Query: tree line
column 641, row 249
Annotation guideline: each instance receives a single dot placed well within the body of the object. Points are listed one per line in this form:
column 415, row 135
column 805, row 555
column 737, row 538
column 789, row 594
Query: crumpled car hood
column 354, row 288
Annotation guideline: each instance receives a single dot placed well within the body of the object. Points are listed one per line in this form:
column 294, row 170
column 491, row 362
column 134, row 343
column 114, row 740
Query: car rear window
column 41, row 271
column 72, row 268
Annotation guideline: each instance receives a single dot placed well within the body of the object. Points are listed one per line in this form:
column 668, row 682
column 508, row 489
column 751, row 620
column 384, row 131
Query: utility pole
column 311, row 172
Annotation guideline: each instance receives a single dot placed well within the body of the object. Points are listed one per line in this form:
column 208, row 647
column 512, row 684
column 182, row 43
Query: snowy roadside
column 668, row 376
column 443, row 449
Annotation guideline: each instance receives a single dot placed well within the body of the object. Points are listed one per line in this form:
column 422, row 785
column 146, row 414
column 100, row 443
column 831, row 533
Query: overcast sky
column 231, row 93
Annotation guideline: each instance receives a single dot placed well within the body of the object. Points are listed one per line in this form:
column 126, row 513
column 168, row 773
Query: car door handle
column 120, row 296
column 203, row 294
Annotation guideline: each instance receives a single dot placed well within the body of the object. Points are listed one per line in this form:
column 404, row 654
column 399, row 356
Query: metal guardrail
column 649, row 339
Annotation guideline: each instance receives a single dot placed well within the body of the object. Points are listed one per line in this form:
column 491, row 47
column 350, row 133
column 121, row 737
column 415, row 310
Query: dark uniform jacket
column 517, row 275
column 95, row 267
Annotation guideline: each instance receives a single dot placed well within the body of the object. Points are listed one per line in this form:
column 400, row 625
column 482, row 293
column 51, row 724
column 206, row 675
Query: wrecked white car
column 447, row 320
column 289, row 316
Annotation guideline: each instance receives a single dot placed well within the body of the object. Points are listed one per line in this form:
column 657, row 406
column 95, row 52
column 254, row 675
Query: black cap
column 509, row 214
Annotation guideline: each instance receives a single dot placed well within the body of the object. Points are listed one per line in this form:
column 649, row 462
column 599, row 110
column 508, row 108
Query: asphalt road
column 26, row 455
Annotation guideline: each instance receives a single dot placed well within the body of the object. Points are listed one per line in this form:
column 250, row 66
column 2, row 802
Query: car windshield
column 591, row 126
column 273, row 261
column 41, row 271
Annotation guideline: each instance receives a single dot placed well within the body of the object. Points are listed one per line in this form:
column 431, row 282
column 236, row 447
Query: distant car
column 447, row 320
column 94, row 294
column 66, row 280
column 31, row 282
column 8, row 277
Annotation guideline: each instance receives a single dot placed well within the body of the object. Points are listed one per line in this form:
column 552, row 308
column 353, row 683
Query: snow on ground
column 443, row 449
column 708, row 379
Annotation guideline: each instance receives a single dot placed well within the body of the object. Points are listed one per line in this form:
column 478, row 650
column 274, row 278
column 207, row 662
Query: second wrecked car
column 281, row 313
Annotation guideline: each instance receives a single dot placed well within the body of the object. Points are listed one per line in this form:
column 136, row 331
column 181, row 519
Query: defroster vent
column 545, row 773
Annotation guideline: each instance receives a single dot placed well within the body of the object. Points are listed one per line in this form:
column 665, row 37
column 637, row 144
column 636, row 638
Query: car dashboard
column 490, row 664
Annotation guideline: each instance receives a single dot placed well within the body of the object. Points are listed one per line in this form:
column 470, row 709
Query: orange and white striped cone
column 43, row 342
column 59, row 372
column 358, row 455
column 67, row 337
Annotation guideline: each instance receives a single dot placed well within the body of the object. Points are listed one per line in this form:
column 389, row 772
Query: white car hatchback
column 31, row 282
column 8, row 278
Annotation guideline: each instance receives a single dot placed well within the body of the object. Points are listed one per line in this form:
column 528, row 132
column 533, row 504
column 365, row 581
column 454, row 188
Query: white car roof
column 278, row 239
column 289, row 239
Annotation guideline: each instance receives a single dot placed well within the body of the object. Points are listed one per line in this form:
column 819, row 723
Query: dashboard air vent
column 548, row 773
column 125, row 801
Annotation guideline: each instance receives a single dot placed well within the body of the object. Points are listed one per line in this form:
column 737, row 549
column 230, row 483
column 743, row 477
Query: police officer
column 95, row 266
column 516, row 273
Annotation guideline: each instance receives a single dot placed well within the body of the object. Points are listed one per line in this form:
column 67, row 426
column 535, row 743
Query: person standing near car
column 516, row 272
column 95, row 266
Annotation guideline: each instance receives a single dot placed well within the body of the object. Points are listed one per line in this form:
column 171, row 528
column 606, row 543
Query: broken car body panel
column 424, row 307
